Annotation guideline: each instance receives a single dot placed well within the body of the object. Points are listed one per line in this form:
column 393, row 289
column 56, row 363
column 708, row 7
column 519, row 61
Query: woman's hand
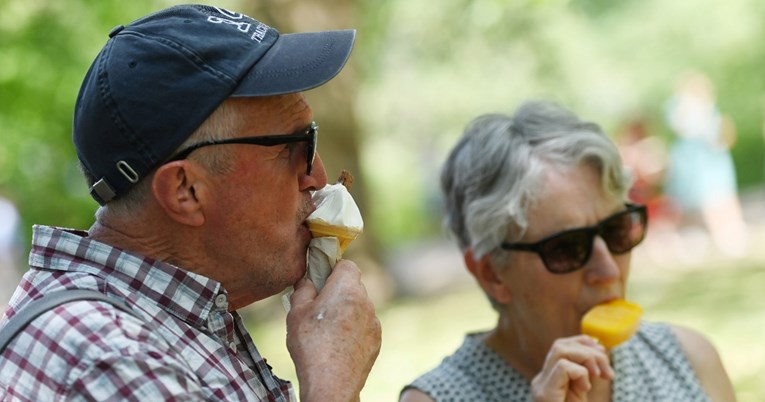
column 569, row 368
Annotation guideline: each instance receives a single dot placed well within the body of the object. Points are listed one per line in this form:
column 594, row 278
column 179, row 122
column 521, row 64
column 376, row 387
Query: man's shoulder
column 83, row 341
column 83, row 328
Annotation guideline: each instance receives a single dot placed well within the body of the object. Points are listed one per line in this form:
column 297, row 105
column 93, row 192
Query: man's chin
column 303, row 275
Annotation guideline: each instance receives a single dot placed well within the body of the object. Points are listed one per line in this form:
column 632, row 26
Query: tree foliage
column 46, row 48
column 430, row 69
column 424, row 70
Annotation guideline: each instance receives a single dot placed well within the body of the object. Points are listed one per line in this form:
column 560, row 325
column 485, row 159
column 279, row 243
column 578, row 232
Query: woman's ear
column 487, row 274
column 174, row 187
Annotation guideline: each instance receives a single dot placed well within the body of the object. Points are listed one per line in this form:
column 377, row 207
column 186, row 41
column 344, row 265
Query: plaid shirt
column 188, row 347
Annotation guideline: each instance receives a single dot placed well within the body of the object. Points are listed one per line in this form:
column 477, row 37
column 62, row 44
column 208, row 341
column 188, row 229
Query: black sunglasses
column 308, row 135
column 570, row 250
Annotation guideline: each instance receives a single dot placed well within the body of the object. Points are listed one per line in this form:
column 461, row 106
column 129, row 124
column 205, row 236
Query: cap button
column 116, row 30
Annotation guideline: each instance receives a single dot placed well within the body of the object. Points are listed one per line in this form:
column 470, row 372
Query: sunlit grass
column 719, row 297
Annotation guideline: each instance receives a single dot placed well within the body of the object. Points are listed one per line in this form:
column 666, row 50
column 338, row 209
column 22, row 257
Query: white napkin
column 323, row 254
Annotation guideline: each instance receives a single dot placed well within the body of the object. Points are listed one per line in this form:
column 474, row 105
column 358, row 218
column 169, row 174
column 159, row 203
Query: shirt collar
column 184, row 294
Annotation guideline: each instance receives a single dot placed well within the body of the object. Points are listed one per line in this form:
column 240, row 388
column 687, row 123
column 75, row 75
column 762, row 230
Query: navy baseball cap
column 158, row 78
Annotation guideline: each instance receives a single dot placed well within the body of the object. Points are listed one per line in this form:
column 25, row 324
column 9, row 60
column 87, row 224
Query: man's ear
column 173, row 186
column 486, row 274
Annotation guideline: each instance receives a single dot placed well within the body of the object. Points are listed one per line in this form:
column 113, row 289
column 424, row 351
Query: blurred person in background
column 9, row 250
column 538, row 205
column 198, row 145
column 645, row 160
column 701, row 176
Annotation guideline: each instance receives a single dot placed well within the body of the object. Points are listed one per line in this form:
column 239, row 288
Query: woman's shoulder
column 668, row 355
column 455, row 370
column 706, row 363
column 472, row 373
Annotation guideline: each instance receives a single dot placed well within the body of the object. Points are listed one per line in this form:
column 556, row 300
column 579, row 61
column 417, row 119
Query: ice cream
column 335, row 223
column 336, row 213
column 613, row 322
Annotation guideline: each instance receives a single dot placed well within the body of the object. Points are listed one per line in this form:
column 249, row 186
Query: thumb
column 305, row 292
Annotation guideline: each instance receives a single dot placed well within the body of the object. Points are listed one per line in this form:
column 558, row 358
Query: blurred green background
column 420, row 71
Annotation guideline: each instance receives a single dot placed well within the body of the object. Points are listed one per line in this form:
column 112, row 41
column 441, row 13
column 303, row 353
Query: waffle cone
column 344, row 234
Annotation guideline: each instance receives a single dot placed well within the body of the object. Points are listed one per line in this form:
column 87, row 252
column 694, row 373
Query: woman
column 537, row 203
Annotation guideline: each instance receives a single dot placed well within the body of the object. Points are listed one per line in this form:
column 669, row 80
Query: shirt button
column 232, row 346
column 220, row 301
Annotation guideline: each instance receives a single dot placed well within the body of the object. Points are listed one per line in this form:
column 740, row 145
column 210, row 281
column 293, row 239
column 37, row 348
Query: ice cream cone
column 336, row 213
column 345, row 235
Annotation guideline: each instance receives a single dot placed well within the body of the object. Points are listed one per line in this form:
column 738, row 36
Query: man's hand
column 569, row 368
column 334, row 336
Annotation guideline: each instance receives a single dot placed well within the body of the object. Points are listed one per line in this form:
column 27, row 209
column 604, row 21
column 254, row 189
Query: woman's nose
column 602, row 266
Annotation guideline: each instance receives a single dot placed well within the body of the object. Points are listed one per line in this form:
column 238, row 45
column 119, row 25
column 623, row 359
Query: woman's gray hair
column 498, row 168
column 222, row 123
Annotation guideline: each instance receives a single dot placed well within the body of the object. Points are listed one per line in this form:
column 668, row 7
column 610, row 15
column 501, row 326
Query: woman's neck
column 527, row 353
column 510, row 341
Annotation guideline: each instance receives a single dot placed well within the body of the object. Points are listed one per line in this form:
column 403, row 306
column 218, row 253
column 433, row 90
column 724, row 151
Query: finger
column 577, row 378
column 603, row 365
column 345, row 274
column 589, row 341
column 582, row 351
column 346, row 268
column 575, row 352
column 607, row 372
column 305, row 292
column 564, row 381
column 592, row 367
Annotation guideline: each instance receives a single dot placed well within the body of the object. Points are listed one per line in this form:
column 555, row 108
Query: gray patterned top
column 651, row 366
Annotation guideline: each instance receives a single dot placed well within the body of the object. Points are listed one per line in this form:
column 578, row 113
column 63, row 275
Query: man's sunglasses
column 308, row 135
column 570, row 250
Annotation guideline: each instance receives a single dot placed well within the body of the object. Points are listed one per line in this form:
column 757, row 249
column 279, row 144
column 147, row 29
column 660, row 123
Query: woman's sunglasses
column 570, row 250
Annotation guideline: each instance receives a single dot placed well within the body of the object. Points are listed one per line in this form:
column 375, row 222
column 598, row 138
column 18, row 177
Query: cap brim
column 298, row 62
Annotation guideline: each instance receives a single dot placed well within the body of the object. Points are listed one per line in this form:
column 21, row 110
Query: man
column 195, row 139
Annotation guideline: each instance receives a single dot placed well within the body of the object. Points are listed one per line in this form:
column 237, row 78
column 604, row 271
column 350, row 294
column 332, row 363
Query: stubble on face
column 262, row 206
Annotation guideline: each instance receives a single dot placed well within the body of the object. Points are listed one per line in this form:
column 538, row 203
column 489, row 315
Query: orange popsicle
column 612, row 322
